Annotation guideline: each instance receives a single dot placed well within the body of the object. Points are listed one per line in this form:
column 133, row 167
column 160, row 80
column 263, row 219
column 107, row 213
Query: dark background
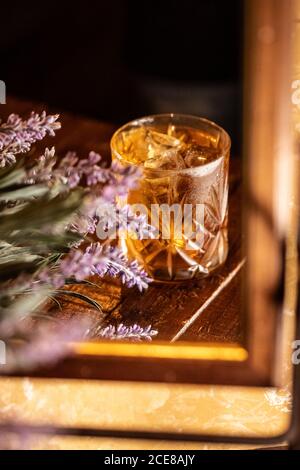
column 116, row 60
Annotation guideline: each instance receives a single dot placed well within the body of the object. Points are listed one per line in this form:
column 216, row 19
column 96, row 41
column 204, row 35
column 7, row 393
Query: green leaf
column 10, row 176
column 13, row 210
column 15, row 260
column 43, row 242
column 41, row 212
column 27, row 192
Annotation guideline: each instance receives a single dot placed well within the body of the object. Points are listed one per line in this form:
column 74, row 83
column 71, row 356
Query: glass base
column 168, row 265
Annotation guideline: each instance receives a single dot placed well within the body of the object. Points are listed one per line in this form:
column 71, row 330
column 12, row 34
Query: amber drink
column 183, row 187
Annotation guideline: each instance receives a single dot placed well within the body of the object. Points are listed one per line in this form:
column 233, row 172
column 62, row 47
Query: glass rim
column 150, row 119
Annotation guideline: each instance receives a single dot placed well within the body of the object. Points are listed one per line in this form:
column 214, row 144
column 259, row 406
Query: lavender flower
column 120, row 180
column 17, row 135
column 72, row 171
column 83, row 224
column 51, row 342
column 121, row 332
column 42, row 171
column 69, row 171
column 99, row 260
column 47, row 345
column 43, row 269
column 91, row 170
column 114, row 263
column 122, row 219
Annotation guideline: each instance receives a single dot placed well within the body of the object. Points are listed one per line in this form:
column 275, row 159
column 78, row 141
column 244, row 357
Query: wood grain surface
column 206, row 310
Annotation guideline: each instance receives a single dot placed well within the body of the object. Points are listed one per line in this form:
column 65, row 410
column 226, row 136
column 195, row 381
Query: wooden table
column 204, row 310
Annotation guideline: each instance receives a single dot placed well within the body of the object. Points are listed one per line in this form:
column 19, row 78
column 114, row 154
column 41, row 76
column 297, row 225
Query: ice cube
column 204, row 138
column 133, row 145
column 162, row 140
column 179, row 134
column 158, row 143
column 197, row 155
column 167, row 160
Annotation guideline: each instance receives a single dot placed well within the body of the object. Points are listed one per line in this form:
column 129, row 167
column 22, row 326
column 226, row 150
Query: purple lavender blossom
column 99, row 260
column 42, row 171
column 91, row 170
column 114, row 263
column 121, row 179
column 47, row 345
column 84, row 224
column 124, row 220
column 72, row 171
column 17, row 135
column 117, row 180
column 122, row 332
column 68, row 172
column 51, row 342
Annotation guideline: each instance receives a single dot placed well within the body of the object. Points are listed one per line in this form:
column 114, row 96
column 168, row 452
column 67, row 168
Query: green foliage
column 33, row 234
